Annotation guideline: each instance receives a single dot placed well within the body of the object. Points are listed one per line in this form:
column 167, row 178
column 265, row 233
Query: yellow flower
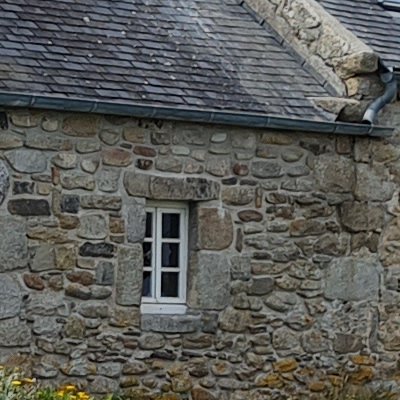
column 70, row 388
column 29, row 380
column 16, row 383
column 60, row 393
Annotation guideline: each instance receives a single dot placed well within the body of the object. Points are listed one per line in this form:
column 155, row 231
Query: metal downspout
column 388, row 77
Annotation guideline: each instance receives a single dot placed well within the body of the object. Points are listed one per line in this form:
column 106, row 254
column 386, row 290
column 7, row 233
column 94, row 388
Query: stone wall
column 345, row 63
column 302, row 287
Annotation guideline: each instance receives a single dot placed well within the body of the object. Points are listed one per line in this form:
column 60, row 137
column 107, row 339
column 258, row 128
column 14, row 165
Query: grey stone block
column 170, row 323
column 10, row 297
column 129, row 275
column 353, row 279
column 13, row 244
column 209, row 281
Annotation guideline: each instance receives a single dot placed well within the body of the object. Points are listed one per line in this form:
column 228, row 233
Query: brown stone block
column 304, row 227
column 250, row 216
column 362, row 360
column 49, row 235
column 78, row 291
column 68, row 222
column 84, row 125
column 361, row 62
column 101, row 202
column 287, row 365
column 126, row 316
column 362, row 376
column 25, row 118
column 347, row 343
column 235, row 321
column 10, row 141
column 65, row 257
column 272, row 380
column 214, row 229
column 361, row 216
column 137, row 184
column 201, row 394
column 169, row 164
column 75, row 180
column 277, row 138
column 145, row 151
column 85, row 278
column 240, row 169
column 134, row 134
column 317, row 386
column 117, row 157
column 33, row 281
column 238, row 196
column 117, row 225
column 335, row 173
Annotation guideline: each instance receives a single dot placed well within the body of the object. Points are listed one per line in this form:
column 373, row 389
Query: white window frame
column 156, row 303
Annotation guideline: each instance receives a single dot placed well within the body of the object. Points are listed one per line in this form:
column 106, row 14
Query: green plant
column 67, row 392
column 351, row 392
column 15, row 387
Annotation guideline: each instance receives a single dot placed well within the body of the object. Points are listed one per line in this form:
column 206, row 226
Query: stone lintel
column 170, row 188
column 170, row 323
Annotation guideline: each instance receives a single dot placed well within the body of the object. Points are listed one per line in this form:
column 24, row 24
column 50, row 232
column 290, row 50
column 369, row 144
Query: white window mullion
column 158, row 243
column 154, row 253
column 183, row 255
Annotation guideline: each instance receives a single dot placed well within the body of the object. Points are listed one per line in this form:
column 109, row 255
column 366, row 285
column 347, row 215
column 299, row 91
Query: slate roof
column 373, row 24
column 210, row 54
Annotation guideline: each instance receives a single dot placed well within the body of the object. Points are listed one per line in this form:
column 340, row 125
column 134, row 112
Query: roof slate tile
column 203, row 53
column 368, row 20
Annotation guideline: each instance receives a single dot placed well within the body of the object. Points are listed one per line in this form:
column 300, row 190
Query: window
column 165, row 258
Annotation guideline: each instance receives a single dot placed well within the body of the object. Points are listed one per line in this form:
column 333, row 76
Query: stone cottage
column 190, row 203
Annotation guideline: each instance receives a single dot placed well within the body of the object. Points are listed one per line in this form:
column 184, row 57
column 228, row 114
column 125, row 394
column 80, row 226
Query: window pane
column 170, row 225
column 169, row 284
column 146, row 284
column 170, row 255
column 149, row 225
column 147, row 254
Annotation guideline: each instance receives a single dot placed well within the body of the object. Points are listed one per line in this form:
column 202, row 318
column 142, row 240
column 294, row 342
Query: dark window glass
column 149, row 225
column 169, row 284
column 146, row 284
column 147, row 254
column 170, row 226
column 170, row 255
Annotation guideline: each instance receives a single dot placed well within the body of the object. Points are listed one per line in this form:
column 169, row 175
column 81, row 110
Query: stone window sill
column 168, row 323
column 170, row 309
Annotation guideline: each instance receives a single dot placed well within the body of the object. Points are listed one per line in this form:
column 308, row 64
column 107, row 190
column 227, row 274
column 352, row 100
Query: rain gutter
column 253, row 120
column 389, row 79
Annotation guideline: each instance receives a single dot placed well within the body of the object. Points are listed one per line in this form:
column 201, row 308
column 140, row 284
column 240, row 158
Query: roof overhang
column 233, row 118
